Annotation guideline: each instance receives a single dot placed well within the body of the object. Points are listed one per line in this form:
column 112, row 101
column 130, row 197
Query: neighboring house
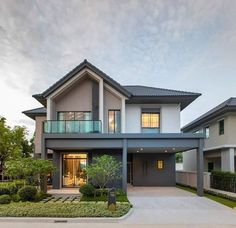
column 86, row 114
column 219, row 126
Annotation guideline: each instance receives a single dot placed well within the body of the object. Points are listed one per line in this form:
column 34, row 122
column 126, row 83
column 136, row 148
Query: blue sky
column 185, row 45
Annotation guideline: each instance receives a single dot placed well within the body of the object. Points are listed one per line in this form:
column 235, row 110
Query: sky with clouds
column 178, row 44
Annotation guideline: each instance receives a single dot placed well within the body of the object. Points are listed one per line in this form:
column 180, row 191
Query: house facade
column 87, row 114
column 219, row 126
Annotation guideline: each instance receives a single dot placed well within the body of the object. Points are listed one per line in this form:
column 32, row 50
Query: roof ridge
column 78, row 68
column 151, row 87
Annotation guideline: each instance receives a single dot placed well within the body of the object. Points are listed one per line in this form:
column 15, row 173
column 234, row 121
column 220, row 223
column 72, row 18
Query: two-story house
column 87, row 114
column 219, row 127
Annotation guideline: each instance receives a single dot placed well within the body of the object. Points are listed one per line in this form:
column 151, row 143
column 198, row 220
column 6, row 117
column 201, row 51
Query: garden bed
column 66, row 210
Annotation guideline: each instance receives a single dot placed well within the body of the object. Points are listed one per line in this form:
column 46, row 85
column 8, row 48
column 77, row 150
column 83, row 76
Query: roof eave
column 86, row 64
column 195, row 124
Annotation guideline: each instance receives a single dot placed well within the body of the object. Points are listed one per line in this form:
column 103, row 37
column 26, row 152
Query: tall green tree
column 13, row 144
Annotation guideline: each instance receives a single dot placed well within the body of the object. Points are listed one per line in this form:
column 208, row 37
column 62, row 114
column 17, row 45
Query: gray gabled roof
column 32, row 113
column 152, row 95
column 85, row 64
column 134, row 93
column 224, row 107
column 137, row 90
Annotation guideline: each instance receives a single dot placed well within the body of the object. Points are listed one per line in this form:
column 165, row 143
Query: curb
column 66, row 220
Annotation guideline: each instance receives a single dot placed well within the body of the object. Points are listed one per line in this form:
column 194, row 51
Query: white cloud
column 176, row 44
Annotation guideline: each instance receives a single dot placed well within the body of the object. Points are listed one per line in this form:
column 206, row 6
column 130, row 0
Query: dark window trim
column 113, row 110
column 207, row 126
column 151, row 112
column 221, row 131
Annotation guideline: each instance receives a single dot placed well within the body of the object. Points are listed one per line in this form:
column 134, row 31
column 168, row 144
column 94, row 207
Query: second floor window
column 114, row 121
column 150, row 122
column 207, row 132
column 74, row 115
column 221, row 127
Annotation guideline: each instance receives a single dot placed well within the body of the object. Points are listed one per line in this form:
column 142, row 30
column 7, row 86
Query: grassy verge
column 119, row 198
column 58, row 209
column 220, row 199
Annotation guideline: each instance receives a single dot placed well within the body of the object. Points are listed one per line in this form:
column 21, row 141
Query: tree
column 179, row 157
column 13, row 144
column 104, row 170
column 32, row 170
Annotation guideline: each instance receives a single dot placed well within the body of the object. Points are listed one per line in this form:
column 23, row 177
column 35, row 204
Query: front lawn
column 58, row 209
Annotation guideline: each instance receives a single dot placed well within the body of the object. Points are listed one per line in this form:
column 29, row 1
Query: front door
column 73, row 171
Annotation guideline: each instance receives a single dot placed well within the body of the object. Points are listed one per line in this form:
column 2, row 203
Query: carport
column 151, row 146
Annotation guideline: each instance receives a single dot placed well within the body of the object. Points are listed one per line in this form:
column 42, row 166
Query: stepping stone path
column 62, row 199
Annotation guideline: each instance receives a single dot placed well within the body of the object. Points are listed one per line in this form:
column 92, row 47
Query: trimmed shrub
column 15, row 198
column 5, row 199
column 4, row 191
column 223, row 180
column 40, row 196
column 27, row 193
column 87, row 190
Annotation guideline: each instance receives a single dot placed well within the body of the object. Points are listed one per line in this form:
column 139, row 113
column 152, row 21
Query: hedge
column 225, row 181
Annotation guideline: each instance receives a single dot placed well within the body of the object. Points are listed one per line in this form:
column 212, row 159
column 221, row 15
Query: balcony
column 72, row 126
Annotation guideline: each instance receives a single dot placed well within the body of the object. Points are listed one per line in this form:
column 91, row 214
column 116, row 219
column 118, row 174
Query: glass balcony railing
column 72, row 126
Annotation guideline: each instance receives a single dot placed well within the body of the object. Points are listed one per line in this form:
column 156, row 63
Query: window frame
column 58, row 113
column 207, row 135
column 221, row 130
column 108, row 128
column 151, row 112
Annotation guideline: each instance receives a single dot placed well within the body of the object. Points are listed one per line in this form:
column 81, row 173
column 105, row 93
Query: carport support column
column 43, row 149
column 200, row 169
column 124, row 165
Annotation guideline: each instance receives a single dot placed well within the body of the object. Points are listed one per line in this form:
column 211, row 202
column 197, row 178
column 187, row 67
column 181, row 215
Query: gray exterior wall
column 145, row 171
column 110, row 102
column 77, row 98
column 38, row 134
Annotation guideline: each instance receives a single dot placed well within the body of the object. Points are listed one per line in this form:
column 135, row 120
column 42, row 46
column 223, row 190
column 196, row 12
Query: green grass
column 59, row 209
column 119, row 198
column 226, row 202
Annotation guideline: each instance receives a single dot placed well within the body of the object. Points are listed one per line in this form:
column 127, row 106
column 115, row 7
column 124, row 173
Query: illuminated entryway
column 73, row 172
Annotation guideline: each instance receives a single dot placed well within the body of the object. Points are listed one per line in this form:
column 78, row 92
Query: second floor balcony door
column 114, row 121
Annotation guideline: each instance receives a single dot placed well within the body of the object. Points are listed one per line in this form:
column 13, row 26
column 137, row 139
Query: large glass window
column 74, row 126
column 221, row 127
column 74, row 174
column 74, row 115
column 150, row 122
column 114, row 121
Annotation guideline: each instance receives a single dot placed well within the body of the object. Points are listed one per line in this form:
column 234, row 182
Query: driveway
column 173, row 206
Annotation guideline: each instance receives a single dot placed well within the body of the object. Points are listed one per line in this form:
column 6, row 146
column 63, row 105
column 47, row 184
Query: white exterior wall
column 169, row 117
column 133, row 118
column 189, row 160
column 190, row 178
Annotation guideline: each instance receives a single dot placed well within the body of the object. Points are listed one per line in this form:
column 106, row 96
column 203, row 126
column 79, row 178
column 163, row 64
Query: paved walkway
column 173, row 206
